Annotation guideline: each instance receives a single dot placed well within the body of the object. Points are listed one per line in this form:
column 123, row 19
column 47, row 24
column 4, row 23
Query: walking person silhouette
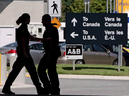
column 24, row 58
column 49, row 60
column 55, row 7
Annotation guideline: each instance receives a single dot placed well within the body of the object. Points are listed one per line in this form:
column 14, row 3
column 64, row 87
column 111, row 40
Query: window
column 87, row 47
column 62, row 45
column 45, row 0
column 40, row 30
column 32, row 47
column 11, row 45
column 99, row 48
column 39, row 46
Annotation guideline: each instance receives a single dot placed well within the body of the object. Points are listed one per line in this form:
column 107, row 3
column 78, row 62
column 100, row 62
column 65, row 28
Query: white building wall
column 11, row 10
column 7, row 35
column 34, row 30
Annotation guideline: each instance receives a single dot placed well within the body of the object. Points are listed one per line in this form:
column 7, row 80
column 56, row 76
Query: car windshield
column 62, row 45
column 126, row 45
column 11, row 45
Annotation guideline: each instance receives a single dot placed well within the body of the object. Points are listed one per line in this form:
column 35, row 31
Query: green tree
column 78, row 6
column 66, row 8
column 99, row 6
column 66, row 5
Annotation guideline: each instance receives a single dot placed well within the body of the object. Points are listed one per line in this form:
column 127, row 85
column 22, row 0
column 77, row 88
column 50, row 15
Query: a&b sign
column 74, row 51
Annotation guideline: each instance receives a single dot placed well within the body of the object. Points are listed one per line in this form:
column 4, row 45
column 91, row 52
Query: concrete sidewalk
column 94, row 77
column 75, row 77
column 91, row 77
column 30, row 88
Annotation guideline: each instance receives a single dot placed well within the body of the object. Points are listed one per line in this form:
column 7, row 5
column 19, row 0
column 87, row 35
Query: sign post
column 73, row 64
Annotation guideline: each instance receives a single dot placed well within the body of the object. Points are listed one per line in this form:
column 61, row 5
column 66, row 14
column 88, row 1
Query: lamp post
column 110, row 6
column 114, row 6
column 85, row 6
column 88, row 6
column 85, row 2
column 107, row 6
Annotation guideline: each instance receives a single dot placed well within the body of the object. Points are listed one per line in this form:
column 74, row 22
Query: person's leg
column 18, row 65
column 33, row 74
column 43, row 75
column 53, row 75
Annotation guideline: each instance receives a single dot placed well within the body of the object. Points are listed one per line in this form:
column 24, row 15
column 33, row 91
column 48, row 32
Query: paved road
column 81, row 86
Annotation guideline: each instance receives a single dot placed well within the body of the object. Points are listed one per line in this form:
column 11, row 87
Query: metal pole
column 110, row 6
column 120, row 47
column 88, row 6
column 85, row 6
column 73, row 64
column 107, row 6
column 122, row 6
column 114, row 6
column 117, row 6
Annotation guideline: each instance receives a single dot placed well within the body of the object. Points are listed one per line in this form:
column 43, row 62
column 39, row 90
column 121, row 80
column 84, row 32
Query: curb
column 94, row 77
column 90, row 77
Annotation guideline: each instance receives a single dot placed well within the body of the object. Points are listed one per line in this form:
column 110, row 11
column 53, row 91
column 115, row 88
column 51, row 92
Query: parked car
column 93, row 54
column 125, row 51
column 36, row 50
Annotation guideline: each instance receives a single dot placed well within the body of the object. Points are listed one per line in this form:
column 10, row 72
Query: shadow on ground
column 79, row 68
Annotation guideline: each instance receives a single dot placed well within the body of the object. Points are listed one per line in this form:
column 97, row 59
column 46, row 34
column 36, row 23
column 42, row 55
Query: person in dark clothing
column 49, row 60
column 24, row 58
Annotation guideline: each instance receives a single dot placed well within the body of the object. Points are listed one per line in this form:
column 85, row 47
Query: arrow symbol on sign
column 73, row 34
column 74, row 21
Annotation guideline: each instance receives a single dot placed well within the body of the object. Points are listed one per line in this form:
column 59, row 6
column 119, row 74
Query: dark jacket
column 51, row 32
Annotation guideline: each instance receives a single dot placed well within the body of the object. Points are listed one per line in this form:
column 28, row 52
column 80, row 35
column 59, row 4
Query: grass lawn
column 92, row 69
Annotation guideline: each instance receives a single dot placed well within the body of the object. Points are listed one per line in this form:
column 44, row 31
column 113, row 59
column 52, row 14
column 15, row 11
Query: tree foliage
column 78, row 6
column 66, row 6
column 100, row 6
column 97, row 6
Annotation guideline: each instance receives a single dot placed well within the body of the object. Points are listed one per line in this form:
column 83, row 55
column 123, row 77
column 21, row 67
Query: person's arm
column 39, row 39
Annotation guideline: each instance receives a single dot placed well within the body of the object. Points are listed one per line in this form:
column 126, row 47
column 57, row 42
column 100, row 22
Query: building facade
column 10, row 10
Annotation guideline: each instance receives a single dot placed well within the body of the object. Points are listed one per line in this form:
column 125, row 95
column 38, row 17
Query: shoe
column 55, row 91
column 41, row 91
column 8, row 92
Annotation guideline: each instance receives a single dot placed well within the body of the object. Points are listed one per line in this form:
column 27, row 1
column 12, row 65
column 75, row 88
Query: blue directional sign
column 96, row 28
